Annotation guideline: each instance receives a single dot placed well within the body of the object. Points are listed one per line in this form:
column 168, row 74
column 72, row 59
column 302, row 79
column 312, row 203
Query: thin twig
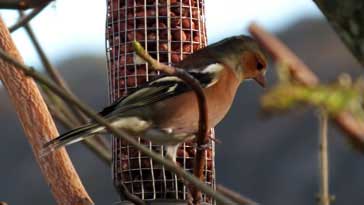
column 301, row 73
column 79, row 117
column 39, row 127
column 324, row 198
column 55, row 101
column 129, row 196
column 55, row 106
column 168, row 164
column 236, row 197
column 67, row 118
column 25, row 19
column 52, row 106
column 202, row 137
column 103, row 154
column 53, row 72
column 70, row 112
column 22, row 4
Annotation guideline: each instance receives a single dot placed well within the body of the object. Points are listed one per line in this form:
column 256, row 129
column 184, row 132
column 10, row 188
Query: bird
column 165, row 109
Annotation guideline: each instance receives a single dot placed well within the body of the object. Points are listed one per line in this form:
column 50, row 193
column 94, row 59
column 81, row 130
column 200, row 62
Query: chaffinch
column 165, row 109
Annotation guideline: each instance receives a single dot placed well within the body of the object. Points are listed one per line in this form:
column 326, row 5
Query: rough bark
column 39, row 128
column 347, row 18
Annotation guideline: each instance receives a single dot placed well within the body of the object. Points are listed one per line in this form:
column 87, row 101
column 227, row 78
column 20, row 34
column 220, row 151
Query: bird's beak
column 260, row 79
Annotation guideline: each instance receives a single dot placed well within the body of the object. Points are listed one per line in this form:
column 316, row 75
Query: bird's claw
column 203, row 146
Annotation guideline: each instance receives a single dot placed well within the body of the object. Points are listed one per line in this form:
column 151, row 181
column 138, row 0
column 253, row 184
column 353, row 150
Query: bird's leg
column 206, row 145
column 203, row 146
column 211, row 138
column 214, row 139
column 171, row 152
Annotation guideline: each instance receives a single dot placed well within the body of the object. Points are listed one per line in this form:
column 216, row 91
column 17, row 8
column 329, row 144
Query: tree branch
column 96, row 144
column 103, row 154
column 39, row 127
column 202, row 137
column 25, row 19
column 236, row 197
column 301, row 73
column 129, row 196
column 168, row 164
column 21, row 4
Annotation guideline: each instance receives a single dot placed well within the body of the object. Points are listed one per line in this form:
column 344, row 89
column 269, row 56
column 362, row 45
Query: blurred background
column 271, row 160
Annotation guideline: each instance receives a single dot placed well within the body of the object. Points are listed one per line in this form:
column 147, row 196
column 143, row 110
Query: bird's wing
column 162, row 88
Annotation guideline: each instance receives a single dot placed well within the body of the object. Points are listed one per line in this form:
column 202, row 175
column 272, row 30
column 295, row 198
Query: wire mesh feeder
column 169, row 30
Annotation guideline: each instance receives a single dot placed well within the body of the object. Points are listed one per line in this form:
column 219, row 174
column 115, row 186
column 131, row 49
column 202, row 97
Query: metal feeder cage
column 169, row 30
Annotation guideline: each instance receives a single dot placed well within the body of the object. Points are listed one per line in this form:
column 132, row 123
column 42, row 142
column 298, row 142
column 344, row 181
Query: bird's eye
column 260, row 66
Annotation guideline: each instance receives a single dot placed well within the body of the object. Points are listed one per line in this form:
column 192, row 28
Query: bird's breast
column 181, row 113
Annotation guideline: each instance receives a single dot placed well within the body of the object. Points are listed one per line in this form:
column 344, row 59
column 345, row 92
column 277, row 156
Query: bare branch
column 39, row 127
column 301, row 73
column 22, row 4
column 25, row 19
column 129, row 196
column 53, row 72
column 168, row 164
column 202, row 137
column 103, row 154
column 96, row 144
column 236, row 197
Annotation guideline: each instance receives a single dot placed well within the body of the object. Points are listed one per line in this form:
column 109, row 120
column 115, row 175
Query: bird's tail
column 71, row 137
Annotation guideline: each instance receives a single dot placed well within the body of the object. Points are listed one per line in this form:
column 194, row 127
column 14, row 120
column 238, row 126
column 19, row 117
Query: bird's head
column 244, row 56
column 252, row 65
